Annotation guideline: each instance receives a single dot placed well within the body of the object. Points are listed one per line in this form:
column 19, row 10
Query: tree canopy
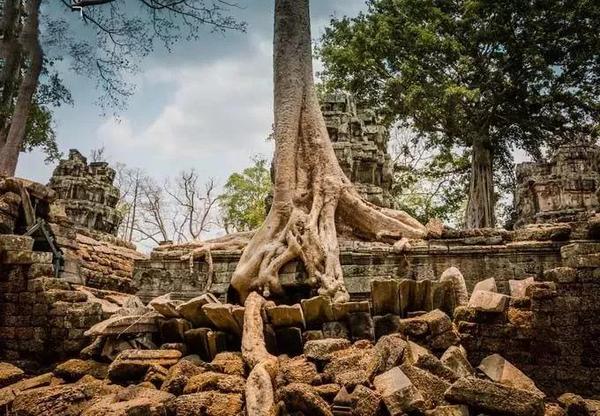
column 244, row 198
column 485, row 74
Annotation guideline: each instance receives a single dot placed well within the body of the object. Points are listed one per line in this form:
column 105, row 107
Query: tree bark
column 10, row 53
column 481, row 203
column 29, row 42
column 312, row 197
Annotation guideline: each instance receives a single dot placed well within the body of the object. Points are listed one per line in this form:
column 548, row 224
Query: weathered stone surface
column 119, row 325
column 221, row 316
column 192, row 309
column 384, row 295
column 459, row 286
column 155, row 376
column 296, row 370
column 431, row 387
column 134, row 400
column 229, row 363
column 285, row 315
column 320, row 349
column 211, row 403
column 518, row 287
column 317, row 310
column 487, row 285
column 488, row 302
column 452, row 410
column 352, row 366
column 398, row 392
column 179, row 375
column 342, row 310
column 455, row 358
column 73, row 370
column 133, row 364
column 433, row 365
column 64, row 400
column 304, row 398
column 9, row 374
column 501, row 371
column 166, row 305
column 210, row 381
column 10, row 242
column 391, row 350
column 488, row 396
column 365, row 402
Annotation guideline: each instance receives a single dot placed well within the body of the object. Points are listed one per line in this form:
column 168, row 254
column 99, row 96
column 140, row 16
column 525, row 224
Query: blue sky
column 207, row 105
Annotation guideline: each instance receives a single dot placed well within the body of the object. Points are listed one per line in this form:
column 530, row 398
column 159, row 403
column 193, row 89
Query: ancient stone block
column 385, row 325
column 124, row 325
column 518, row 287
column 488, row 302
column 320, row 349
column 133, row 364
column 210, row 381
column 391, row 350
column 365, row 401
column 285, row 315
column 297, row 370
column 385, row 298
column 74, row 369
column 398, row 392
column 341, row 310
column 192, row 309
column 501, row 371
column 317, row 310
column 221, row 316
column 431, row 387
column 336, row 329
column 9, row 374
column 166, row 305
column 456, row 359
column 213, row 404
column 491, row 397
column 9, row 242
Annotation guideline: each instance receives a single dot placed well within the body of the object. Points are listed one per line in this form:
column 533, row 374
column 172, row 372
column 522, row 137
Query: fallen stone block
column 487, row 285
column 455, row 358
column 11, row 242
column 433, row 365
column 212, row 403
column 9, row 374
column 304, row 398
column 452, row 410
column 488, row 396
column 156, row 376
column 133, row 364
column 317, row 310
column 399, row 394
column 229, row 363
column 319, row 350
column 296, row 370
column 210, row 381
column 365, row 402
column 391, row 350
column 518, row 287
column 192, row 309
column 119, row 325
column 352, row 366
column 74, row 369
column 179, row 375
column 286, row 315
column 431, row 387
column 336, row 329
column 166, row 306
column 134, row 400
column 221, row 316
column 502, row 371
column 490, row 302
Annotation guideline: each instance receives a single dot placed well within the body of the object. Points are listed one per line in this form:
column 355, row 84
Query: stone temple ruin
column 468, row 322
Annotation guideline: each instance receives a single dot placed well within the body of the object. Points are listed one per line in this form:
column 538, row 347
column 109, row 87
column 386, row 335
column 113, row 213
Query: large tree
column 313, row 200
column 488, row 75
column 116, row 34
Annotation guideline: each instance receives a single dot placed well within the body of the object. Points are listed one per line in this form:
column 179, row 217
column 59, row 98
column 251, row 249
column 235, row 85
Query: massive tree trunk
column 30, row 45
column 480, row 207
column 312, row 197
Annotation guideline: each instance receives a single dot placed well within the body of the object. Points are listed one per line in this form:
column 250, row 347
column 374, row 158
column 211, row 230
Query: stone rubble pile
column 362, row 358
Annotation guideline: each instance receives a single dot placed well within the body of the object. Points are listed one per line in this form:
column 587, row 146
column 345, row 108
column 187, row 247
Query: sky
column 207, row 105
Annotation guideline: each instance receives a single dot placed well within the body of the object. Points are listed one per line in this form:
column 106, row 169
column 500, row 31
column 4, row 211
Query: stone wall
column 361, row 146
column 478, row 257
column 564, row 189
column 87, row 193
column 551, row 334
column 41, row 317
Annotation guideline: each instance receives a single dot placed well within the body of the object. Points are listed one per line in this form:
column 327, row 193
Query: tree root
column 260, row 394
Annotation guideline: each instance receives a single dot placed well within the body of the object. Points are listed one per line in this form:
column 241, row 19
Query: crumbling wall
column 552, row 333
column 41, row 317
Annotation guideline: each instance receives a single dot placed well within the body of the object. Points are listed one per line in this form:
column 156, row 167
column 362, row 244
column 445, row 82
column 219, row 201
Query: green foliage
column 39, row 133
column 243, row 202
column 428, row 183
column 515, row 73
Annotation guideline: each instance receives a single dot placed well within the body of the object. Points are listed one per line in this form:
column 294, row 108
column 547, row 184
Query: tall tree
column 312, row 198
column 115, row 36
column 485, row 74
